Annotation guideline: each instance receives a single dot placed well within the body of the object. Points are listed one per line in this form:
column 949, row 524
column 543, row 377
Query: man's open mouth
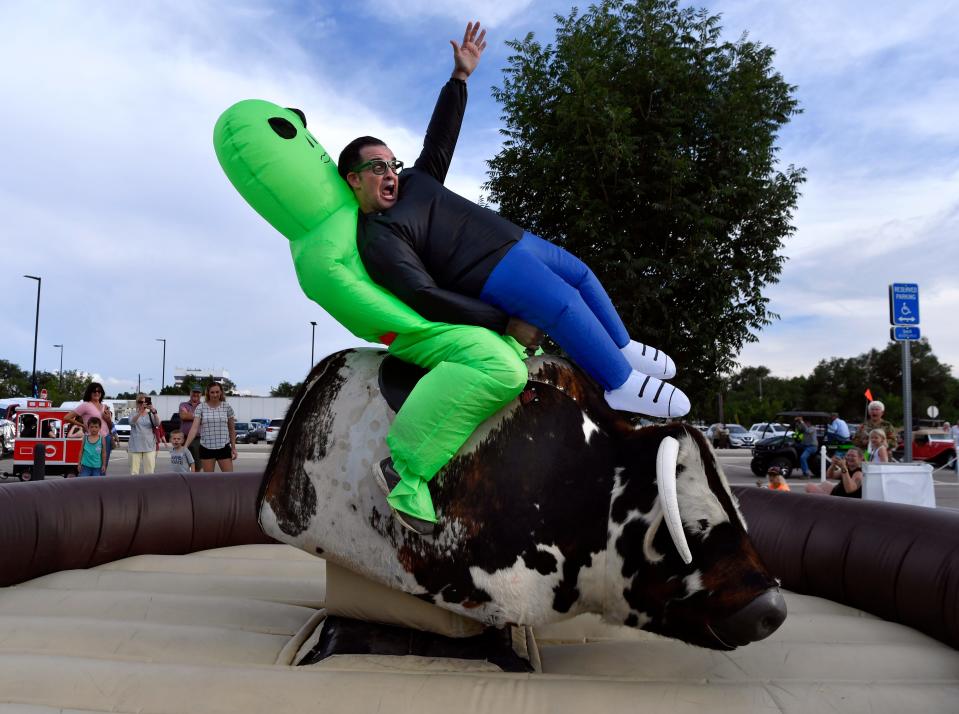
column 388, row 190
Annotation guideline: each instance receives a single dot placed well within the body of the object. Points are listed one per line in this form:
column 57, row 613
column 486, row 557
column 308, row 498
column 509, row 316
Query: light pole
column 163, row 370
column 36, row 331
column 61, row 366
column 312, row 343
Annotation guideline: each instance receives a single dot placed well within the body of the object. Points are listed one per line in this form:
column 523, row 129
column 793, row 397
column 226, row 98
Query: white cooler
column 899, row 483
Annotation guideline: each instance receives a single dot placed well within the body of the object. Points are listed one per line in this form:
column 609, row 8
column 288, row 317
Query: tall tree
column 646, row 145
column 284, row 389
column 14, row 381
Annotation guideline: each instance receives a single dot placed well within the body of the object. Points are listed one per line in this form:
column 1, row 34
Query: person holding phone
column 143, row 443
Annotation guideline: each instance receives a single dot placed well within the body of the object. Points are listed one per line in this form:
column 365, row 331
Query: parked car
column 766, row 429
column 739, row 438
column 262, row 422
column 934, row 446
column 248, row 432
column 123, row 428
column 782, row 451
column 273, row 430
column 7, row 435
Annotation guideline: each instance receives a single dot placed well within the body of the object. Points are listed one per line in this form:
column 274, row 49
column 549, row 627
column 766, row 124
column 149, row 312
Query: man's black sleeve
column 443, row 130
column 394, row 265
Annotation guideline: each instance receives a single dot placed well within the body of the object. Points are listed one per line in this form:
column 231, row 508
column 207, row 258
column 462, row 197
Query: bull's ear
column 666, row 459
column 300, row 114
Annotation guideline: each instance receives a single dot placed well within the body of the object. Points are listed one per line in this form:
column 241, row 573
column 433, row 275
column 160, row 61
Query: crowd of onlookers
column 873, row 442
column 206, row 437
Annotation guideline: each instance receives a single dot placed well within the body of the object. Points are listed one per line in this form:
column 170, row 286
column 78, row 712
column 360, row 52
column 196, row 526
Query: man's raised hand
column 467, row 55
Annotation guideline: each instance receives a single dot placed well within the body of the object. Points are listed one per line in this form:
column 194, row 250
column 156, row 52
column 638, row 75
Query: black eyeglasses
column 96, row 391
column 379, row 166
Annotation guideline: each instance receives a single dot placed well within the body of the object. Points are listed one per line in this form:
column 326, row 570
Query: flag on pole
column 868, row 394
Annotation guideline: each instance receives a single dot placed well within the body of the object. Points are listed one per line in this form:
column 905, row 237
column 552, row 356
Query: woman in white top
column 215, row 423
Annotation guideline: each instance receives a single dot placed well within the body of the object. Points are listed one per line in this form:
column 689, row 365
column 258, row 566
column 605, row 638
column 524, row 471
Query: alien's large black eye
column 283, row 127
column 300, row 114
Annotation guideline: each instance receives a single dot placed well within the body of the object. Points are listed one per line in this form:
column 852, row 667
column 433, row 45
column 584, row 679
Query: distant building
column 182, row 376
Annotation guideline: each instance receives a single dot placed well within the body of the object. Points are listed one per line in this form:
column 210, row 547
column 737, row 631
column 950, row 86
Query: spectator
column 110, row 438
column 215, row 424
column 775, row 480
column 810, row 443
column 181, row 460
column 93, row 458
column 143, row 441
column 947, row 427
column 91, row 406
column 877, row 453
column 838, row 430
column 848, row 471
column 721, row 437
column 187, row 410
column 875, row 421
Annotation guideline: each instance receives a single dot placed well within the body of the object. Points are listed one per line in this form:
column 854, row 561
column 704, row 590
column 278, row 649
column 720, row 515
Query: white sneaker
column 649, row 360
column 643, row 394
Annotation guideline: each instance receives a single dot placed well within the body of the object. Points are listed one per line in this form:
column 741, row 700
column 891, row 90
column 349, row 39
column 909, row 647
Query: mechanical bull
column 555, row 507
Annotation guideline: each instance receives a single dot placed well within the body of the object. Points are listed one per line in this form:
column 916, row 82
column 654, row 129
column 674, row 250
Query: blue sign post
column 904, row 304
column 904, row 318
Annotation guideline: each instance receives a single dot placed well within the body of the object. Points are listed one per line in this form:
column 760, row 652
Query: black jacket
column 434, row 249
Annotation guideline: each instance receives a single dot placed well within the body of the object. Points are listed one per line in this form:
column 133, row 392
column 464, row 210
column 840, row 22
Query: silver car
column 739, row 438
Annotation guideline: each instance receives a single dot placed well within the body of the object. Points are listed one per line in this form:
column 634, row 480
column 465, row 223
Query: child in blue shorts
column 93, row 459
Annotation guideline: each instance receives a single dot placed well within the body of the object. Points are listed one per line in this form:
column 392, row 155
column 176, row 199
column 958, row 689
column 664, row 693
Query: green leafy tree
column 285, row 389
column 14, row 381
column 173, row 389
column 71, row 388
column 646, row 145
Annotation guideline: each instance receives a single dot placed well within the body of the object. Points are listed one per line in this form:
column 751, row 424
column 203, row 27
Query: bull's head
column 680, row 561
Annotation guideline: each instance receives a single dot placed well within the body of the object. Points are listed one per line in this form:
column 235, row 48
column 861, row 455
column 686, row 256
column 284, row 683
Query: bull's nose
column 757, row 621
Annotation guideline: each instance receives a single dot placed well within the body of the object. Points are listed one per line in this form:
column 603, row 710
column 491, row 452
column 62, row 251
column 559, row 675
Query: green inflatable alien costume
column 286, row 176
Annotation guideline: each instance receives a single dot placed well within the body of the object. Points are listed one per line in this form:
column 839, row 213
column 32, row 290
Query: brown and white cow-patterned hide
column 550, row 509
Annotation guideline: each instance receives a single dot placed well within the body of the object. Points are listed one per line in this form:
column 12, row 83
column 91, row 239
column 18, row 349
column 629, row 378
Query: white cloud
column 489, row 12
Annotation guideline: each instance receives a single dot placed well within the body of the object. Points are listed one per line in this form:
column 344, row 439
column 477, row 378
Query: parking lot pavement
column 249, row 457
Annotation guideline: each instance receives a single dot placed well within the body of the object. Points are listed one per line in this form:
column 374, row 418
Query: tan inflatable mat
column 216, row 631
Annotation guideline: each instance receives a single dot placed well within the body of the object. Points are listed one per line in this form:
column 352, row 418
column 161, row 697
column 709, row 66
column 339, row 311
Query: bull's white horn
column 666, row 459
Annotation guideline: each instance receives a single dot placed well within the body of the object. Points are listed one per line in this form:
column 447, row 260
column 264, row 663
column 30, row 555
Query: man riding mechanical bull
column 638, row 525
column 476, row 282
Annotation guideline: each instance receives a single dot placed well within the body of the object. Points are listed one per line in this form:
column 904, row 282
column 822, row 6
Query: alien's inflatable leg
column 473, row 373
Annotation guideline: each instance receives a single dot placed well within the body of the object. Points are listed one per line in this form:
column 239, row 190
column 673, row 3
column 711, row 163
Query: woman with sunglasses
column 142, row 447
column 91, row 406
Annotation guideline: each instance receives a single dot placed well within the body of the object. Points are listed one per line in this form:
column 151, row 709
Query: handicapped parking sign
column 904, row 304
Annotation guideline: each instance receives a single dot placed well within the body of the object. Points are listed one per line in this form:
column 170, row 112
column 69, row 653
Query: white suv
column 273, row 430
column 765, row 429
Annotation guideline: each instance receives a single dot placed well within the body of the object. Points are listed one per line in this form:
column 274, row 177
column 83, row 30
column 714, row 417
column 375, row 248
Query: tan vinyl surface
column 214, row 631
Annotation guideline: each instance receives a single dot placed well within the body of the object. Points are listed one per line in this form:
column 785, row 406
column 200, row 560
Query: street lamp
column 163, row 371
column 312, row 343
column 36, row 331
column 61, row 366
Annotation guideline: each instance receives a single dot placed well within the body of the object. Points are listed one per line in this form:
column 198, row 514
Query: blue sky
column 111, row 192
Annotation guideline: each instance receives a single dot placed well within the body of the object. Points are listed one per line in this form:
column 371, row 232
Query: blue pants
column 89, row 471
column 804, row 459
column 554, row 290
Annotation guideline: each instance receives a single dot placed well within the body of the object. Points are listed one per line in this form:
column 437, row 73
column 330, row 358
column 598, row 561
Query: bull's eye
column 283, row 127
